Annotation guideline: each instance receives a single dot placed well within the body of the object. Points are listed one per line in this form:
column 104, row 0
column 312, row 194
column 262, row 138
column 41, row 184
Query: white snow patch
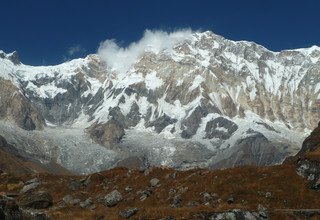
column 126, row 106
column 222, row 129
column 179, row 82
column 196, row 82
column 50, row 91
column 152, row 81
column 129, row 79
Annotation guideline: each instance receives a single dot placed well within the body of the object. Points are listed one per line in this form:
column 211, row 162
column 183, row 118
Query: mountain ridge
column 190, row 96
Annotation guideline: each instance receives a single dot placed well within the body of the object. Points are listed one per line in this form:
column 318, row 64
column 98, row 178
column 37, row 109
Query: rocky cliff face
column 17, row 108
column 311, row 143
column 307, row 160
column 236, row 101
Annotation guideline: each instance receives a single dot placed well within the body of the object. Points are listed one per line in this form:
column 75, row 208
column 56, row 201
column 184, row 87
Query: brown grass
column 248, row 185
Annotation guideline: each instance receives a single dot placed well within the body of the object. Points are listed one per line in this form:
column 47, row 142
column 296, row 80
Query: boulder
column 128, row 213
column 38, row 200
column 31, row 214
column 86, row 204
column 176, row 203
column 75, row 185
column 34, row 180
column 231, row 214
column 30, row 187
column 67, row 199
column 12, row 211
column 262, row 211
column 128, row 189
column 86, row 181
column 112, row 198
column 309, row 169
column 231, row 200
column 144, row 194
column 74, row 202
column 207, row 198
column 154, row 182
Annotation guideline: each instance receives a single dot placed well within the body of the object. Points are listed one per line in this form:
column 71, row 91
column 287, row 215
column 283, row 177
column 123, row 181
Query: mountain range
column 199, row 101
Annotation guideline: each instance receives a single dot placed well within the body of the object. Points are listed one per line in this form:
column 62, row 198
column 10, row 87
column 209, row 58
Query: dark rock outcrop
column 312, row 142
column 232, row 214
column 106, row 134
column 37, row 200
column 307, row 160
column 255, row 149
column 9, row 209
column 212, row 128
column 14, row 58
column 191, row 124
column 310, row 169
column 160, row 123
column 128, row 213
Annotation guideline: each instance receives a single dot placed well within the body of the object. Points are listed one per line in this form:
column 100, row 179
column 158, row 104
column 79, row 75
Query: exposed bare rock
column 30, row 187
column 220, row 128
column 160, row 123
column 113, row 198
column 37, row 200
column 9, row 209
column 197, row 98
column 108, row 133
column 255, row 149
column 154, row 182
column 190, row 125
column 177, row 200
column 128, row 213
column 14, row 58
column 312, row 142
column 16, row 107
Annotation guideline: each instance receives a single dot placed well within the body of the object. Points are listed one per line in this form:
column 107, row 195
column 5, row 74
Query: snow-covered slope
column 196, row 100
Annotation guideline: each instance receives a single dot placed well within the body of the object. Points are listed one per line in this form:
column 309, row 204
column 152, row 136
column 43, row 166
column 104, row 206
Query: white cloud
column 75, row 49
column 122, row 58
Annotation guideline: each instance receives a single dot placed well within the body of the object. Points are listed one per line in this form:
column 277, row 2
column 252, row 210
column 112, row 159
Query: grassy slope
column 248, row 185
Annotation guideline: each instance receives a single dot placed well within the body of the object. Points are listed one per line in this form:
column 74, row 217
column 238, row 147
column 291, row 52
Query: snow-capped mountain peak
column 172, row 95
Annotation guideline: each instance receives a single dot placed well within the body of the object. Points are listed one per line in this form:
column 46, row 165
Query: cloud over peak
column 122, row 58
column 75, row 49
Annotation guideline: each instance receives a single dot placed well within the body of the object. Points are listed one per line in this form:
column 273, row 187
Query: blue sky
column 49, row 32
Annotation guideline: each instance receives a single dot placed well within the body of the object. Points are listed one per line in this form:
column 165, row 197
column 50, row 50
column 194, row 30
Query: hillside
column 287, row 191
column 17, row 164
column 272, row 192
